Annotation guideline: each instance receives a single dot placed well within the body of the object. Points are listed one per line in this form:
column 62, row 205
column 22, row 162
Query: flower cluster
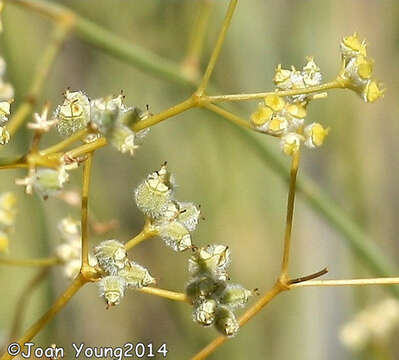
column 7, row 218
column 213, row 298
column 376, row 322
column 47, row 182
column 119, row 272
column 106, row 116
column 172, row 220
column 6, row 98
column 69, row 251
column 284, row 117
column 358, row 69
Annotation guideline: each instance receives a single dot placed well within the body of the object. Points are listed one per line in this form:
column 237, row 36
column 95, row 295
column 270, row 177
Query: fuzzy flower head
column 154, row 194
column 73, row 114
column 214, row 299
column 112, row 288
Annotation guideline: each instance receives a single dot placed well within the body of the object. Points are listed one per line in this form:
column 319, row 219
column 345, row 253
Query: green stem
column 110, row 43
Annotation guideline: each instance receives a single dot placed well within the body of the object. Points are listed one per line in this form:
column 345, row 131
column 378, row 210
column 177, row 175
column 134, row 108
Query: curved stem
column 143, row 235
column 58, row 305
column 31, row 262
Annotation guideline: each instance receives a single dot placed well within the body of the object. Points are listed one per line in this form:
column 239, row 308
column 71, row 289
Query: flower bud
column 189, row 215
column 235, row 296
column 315, row 135
column 175, row 235
column 213, row 259
column 282, row 78
column 204, row 312
column 311, row 73
column 111, row 256
column 112, row 288
column 73, row 114
column 275, row 102
column 203, row 286
column 226, row 322
column 49, row 182
column 124, row 139
column 372, row 91
column 105, row 111
column 261, row 116
column 136, row 276
column 155, row 193
column 352, row 46
column 290, row 143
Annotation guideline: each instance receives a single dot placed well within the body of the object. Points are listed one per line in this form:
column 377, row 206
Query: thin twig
column 335, row 84
column 58, row 305
column 217, row 48
column 308, row 277
column 84, row 214
column 350, row 282
column 171, row 295
column 290, row 215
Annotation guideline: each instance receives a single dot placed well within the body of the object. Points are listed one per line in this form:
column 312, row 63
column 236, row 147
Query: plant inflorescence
column 87, row 125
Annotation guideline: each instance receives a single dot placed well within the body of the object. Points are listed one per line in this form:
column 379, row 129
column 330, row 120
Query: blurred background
column 243, row 201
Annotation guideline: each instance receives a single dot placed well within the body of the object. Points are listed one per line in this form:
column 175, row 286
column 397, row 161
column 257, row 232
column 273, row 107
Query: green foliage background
column 242, row 200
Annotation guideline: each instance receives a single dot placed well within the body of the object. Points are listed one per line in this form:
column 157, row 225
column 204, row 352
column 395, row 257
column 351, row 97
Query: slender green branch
column 58, row 305
column 85, row 200
column 248, row 315
column 171, row 295
column 60, row 33
column 228, row 115
column 358, row 241
column 110, row 43
column 87, row 148
column 217, row 48
column 65, row 143
column 349, row 282
column 143, row 235
column 336, row 84
column 290, row 216
column 166, row 114
column 31, row 262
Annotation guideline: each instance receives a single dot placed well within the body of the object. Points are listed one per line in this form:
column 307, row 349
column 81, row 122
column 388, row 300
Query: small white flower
column 40, row 121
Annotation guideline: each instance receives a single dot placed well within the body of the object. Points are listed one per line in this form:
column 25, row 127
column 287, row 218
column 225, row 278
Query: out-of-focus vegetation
column 242, row 200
